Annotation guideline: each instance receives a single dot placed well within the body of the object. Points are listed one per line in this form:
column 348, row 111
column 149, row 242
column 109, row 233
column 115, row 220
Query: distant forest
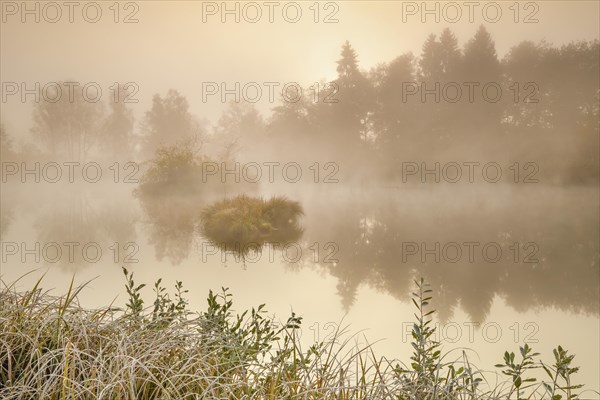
column 548, row 113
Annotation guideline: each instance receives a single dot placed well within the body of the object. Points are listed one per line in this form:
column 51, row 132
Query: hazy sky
column 171, row 47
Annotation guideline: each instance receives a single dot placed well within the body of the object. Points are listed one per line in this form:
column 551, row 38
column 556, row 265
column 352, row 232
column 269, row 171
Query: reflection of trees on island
column 7, row 212
column 170, row 225
column 7, row 200
column 172, row 193
column 237, row 225
column 376, row 242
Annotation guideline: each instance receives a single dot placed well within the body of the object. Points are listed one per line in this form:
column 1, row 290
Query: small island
column 243, row 223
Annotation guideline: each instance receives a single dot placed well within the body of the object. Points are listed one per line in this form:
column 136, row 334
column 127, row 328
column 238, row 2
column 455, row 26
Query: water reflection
column 73, row 228
column 6, row 213
column 547, row 238
column 533, row 254
column 170, row 225
column 548, row 249
column 97, row 228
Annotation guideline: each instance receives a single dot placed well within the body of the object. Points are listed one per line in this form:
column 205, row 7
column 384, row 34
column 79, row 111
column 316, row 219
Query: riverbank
column 50, row 347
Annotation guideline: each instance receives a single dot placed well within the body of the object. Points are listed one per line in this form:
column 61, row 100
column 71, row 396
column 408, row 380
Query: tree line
column 538, row 103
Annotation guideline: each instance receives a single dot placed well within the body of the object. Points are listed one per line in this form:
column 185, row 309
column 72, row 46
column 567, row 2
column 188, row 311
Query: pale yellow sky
column 171, row 46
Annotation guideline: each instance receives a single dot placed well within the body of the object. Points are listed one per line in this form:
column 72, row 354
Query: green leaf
column 517, row 382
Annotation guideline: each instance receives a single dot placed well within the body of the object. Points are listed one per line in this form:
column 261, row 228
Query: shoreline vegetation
column 53, row 348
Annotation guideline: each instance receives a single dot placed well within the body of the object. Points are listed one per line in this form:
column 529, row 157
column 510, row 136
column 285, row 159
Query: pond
column 508, row 265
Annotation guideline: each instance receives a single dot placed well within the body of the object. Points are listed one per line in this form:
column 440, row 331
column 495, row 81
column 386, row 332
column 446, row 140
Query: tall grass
column 244, row 223
column 52, row 348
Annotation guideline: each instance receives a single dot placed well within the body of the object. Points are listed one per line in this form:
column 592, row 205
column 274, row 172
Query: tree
column 523, row 66
column 290, row 127
column 240, row 127
column 430, row 62
column 395, row 115
column 350, row 113
column 450, row 55
column 481, row 66
column 480, row 60
column 290, row 119
column 347, row 66
column 440, row 59
column 168, row 121
column 240, row 121
column 117, row 131
column 440, row 63
column 70, row 126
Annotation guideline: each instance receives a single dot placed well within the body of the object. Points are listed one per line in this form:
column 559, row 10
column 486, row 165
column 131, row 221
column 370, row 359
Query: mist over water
column 533, row 254
column 474, row 169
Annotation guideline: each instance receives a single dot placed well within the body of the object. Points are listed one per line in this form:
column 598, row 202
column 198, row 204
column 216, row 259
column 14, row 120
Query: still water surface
column 508, row 264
